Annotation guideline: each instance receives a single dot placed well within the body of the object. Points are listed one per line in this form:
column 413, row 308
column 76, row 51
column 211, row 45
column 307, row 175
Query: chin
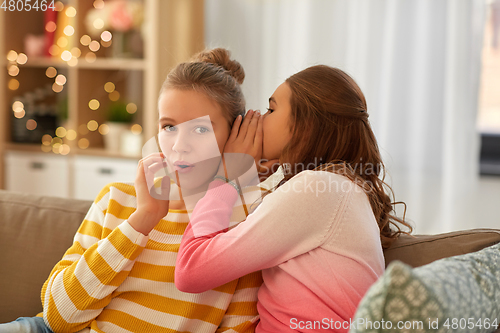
column 200, row 176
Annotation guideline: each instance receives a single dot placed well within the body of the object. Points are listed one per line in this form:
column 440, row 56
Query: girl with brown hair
column 318, row 238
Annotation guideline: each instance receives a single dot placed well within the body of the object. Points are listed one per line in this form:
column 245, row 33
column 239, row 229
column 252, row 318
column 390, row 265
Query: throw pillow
column 456, row 294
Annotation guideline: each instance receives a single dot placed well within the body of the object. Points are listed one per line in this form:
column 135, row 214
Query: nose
column 181, row 143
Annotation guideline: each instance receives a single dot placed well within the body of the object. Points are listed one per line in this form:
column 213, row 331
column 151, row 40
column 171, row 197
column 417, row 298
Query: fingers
column 244, row 126
column 235, row 129
column 153, row 163
column 252, row 127
column 258, row 133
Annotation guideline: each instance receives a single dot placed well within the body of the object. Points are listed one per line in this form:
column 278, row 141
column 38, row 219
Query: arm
column 241, row 315
column 99, row 260
column 293, row 220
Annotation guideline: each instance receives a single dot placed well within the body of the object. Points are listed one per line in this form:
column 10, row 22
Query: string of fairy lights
column 58, row 143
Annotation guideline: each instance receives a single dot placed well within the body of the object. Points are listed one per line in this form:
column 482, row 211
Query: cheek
column 222, row 138
column 266, row 126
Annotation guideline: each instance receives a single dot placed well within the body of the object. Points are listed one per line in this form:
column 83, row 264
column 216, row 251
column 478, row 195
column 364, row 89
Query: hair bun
column 222, row 57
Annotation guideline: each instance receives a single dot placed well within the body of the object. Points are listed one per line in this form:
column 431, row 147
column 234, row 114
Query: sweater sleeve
column 241, row 315
column 83, row 282
column 295, row 219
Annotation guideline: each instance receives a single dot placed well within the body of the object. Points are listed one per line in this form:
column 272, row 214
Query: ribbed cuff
column 223, row 191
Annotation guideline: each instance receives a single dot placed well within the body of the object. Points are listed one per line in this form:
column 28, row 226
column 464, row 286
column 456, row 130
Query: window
column 489, row 100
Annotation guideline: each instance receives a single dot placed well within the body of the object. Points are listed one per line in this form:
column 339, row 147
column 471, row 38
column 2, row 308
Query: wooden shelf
column 99, row 63
column 102, row 152
column 173, row 32
column 44, row 63
column 28, row 147
column 36, row 148
column 113, row 63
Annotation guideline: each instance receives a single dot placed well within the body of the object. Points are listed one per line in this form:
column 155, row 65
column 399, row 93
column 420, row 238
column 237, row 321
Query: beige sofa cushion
column 420, row 250
column 34, row 234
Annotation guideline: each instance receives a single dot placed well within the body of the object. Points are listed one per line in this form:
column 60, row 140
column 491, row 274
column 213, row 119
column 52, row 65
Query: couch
column 35, row 231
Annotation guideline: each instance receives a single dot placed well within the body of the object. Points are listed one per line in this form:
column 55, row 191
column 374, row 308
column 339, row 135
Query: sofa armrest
column 35, row 232
column 419, row 250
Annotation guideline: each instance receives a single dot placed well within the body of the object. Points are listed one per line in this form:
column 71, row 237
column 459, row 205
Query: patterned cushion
column 456, row 294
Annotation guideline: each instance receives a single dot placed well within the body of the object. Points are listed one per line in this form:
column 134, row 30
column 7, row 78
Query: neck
column 188, row 198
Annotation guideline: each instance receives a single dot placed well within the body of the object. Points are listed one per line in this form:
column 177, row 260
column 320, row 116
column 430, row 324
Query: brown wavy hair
column 332, row 133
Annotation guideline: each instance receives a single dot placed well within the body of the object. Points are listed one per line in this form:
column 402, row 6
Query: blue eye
column 201, row 130
column 169, row 128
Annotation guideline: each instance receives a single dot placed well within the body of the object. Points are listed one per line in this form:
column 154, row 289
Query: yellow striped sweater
column 115, row 279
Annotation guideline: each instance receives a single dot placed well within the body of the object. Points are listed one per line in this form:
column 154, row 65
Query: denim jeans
column 25, row 325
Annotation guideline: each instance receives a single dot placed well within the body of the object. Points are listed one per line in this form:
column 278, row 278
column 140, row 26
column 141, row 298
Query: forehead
column 282, row 94
column 185, row 105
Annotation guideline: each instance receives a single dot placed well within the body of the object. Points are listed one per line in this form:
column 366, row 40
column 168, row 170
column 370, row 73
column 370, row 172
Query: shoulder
column 319, row 182
column 115, row 192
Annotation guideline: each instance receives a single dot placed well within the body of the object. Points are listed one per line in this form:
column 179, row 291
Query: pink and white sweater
column 315, row 239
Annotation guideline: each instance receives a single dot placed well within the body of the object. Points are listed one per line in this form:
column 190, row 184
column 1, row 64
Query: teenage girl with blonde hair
column 118, row 276
column 319, row 237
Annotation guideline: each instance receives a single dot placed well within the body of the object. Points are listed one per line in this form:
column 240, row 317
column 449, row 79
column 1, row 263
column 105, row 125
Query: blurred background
column 78, row 93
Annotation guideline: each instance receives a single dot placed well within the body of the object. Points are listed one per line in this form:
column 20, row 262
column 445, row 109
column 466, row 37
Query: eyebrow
column 272, row 99
column 173, row 121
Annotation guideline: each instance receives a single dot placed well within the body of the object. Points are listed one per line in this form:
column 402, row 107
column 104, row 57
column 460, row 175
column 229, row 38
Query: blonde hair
column 215, row 74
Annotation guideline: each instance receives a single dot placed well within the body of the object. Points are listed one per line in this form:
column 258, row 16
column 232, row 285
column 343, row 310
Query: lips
column 182, row 166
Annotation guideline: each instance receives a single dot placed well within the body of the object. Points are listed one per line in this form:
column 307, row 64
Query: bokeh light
column 54, row 50
column 13, row 70
column 109, row 87
column 20, row 114
column 92, row 125
column 57, row 88
column 13, row 84
column 71, row 11
column 90, row 57
column 69, row 30
column 94, row 104
column 51, row 26
column 71, row 135
column 72, row 62
column 98, row 4
column 12, row 55
column 31, row 124
column 104, row 129
column 17, row 106
column 59, row 6
column 22, row 58
column 85, row 40
column 51, row 72
column 76, row 52
column 66, row 55
column 106, row 36
column 64, row 149
column 83, row 143
column 131, row 108
column 61, row 132
column 94, row 46
column 114, row 96
column 46, row 139
column 62, row 42
column 61, row 79
column 98, row 23
column 136, row 129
